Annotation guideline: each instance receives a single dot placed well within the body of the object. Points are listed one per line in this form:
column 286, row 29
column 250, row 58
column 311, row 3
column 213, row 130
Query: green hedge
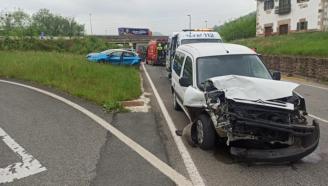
column 77, row 45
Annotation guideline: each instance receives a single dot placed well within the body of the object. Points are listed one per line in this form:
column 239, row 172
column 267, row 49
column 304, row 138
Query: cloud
column 158, row 15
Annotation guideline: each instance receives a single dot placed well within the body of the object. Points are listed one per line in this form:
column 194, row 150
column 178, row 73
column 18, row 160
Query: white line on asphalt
column 189, row 163
column 307, row 84
column 29, row 165
column 314, row 86
column 316, row 117
column 148, row 156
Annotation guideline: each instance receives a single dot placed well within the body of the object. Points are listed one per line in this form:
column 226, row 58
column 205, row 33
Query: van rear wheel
column 206, row 134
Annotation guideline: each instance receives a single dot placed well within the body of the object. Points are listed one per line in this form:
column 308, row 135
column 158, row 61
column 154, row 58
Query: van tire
column 206, row 134
column 176, row 105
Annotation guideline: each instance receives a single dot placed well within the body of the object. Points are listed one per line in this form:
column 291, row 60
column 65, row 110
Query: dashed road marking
column 189, row 163
column 28, row 167
column 144, row 153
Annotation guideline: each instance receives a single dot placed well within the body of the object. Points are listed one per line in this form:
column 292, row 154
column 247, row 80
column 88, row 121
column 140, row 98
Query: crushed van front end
column 267, row 131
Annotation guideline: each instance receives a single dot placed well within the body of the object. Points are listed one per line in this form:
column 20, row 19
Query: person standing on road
column 159, row 50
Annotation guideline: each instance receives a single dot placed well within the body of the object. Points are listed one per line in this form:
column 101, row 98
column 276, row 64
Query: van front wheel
column 206, row 134
column 176, row 105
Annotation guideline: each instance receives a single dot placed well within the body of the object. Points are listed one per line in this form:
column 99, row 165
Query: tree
column 19, row 23
column 14, row 23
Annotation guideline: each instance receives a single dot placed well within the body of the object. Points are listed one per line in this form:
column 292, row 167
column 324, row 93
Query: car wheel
column 176, row 105
column 206, row 134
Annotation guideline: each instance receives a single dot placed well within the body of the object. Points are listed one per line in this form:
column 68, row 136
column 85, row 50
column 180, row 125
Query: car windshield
column 189, row 41
column 243, row 65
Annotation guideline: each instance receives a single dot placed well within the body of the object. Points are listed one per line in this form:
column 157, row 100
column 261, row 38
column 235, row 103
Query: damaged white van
column 231, row 97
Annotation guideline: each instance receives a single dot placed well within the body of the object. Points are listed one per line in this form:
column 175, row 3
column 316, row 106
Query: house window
column 284, row 7
column 268, row 4
column 283, row 29
column 268, row 31
column 302, row 25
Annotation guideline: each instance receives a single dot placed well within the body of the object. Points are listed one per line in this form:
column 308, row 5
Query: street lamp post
column 205, row 23
column 90, row 24
column 189, row 21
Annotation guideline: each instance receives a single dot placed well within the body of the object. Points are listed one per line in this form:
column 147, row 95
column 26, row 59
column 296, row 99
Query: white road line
column 314, row 86
column 148, row 156
column 316, row 117
column 189, row 163
column 29, row 165
column 307, row 84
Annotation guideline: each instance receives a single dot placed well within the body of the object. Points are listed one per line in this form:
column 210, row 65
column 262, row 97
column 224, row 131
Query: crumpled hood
column 250, row 88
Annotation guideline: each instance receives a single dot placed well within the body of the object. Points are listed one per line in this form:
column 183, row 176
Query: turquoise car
column 115, row 56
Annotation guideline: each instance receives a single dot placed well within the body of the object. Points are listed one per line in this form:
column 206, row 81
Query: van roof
column 196, row 35
column 214, row 49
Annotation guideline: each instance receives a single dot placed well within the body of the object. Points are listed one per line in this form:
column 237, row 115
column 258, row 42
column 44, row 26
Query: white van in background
column 188, row 37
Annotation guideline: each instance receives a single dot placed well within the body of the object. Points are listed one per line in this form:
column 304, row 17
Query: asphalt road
column 61, row 146
column 217, row 167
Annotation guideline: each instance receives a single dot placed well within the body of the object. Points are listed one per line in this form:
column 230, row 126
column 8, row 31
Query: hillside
column 243, row 27
column 299, row 44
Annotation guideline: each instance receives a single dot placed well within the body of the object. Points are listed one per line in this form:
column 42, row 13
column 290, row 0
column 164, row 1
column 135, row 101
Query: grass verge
column 102, row 83
column 299, row 44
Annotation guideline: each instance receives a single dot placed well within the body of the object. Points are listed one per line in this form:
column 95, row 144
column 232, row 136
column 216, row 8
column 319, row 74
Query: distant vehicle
column 115, row 56
column 156, row 52
column 188, row 37
column 134, row 31
column 230, row 96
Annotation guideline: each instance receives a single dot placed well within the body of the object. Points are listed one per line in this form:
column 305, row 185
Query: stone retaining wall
column 316, row 68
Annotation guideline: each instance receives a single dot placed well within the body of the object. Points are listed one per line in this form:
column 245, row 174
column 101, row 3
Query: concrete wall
column 316, row 68
column 308, row 11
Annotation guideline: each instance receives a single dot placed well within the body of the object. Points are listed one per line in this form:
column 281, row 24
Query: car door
column 115, row 57
column 176, row 74
column 128, row 58
column 187, row 76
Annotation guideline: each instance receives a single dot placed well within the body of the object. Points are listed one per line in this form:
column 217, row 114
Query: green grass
column 299, row 44
column 102, row 83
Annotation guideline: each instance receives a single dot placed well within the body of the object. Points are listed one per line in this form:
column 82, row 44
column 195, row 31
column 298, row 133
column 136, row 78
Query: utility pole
column 90, row 24
column 205, row 23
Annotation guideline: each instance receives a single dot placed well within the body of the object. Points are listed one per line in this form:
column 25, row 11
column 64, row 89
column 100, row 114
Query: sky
column 164, row 16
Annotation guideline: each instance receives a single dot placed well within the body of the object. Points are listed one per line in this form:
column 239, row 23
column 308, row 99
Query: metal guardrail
column 130, row 39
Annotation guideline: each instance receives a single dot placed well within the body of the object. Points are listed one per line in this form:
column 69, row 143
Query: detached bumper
column 303, row 147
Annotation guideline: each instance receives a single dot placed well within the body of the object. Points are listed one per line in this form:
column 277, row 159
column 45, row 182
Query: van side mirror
column 276, row 75
column 184, row 82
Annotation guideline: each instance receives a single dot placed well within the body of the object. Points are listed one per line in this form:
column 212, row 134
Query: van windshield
column 243, row 65
column 189, row 41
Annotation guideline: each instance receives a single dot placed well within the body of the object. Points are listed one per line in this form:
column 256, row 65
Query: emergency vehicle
column 189, row 37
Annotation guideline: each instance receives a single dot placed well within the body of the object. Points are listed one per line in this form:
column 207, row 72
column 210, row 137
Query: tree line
column 21, row 24
column 243, row 27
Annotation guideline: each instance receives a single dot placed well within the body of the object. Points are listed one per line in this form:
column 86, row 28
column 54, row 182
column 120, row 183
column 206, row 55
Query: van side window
column 178, row 61
column 187, row 70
